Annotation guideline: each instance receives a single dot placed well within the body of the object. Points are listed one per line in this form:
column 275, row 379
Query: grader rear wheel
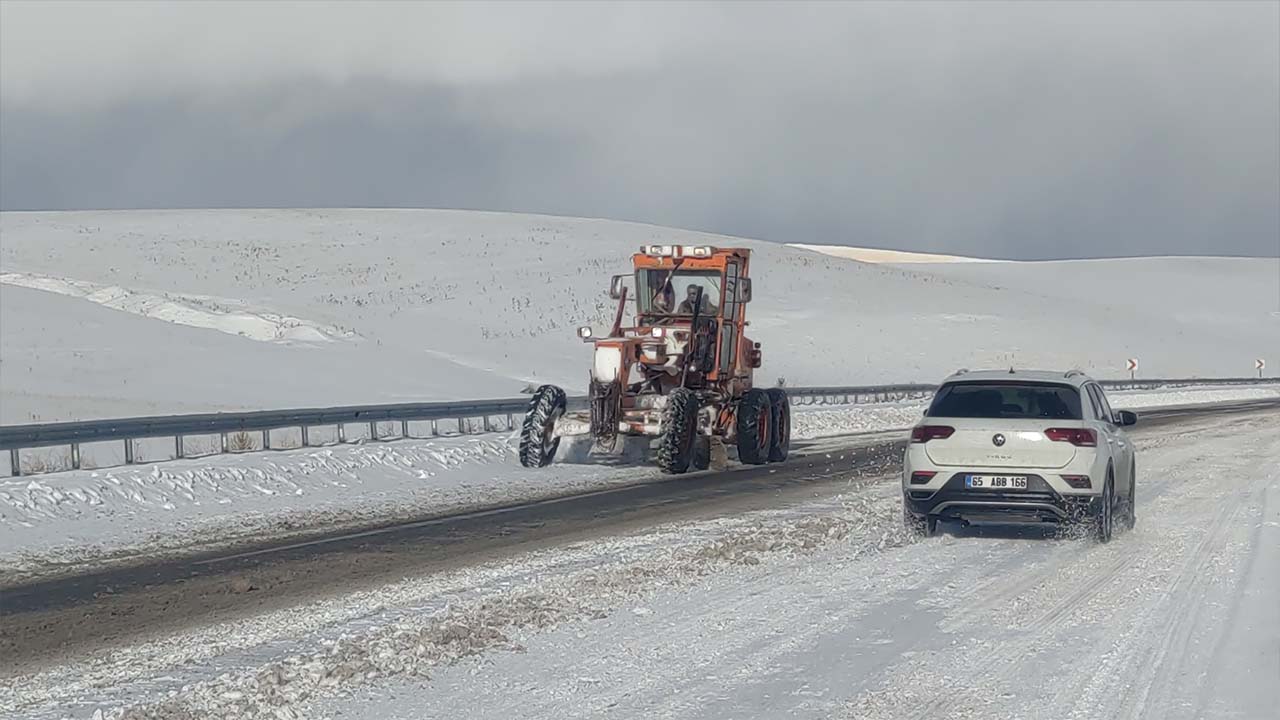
column 780, row 439
column 677, row 443
column 755, row 420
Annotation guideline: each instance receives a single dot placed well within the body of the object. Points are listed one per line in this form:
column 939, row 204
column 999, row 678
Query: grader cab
column 681, row 372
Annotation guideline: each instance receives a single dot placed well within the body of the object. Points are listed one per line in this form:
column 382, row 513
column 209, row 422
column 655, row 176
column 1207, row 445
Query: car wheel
column 1102, row 524
column 918, row 525
column 1131, row 509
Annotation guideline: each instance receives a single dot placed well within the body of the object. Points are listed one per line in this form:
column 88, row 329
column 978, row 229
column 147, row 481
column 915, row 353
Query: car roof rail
column 1072, row 372
column 961, row 371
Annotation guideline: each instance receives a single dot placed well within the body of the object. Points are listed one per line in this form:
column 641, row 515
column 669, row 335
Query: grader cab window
column 671, row 292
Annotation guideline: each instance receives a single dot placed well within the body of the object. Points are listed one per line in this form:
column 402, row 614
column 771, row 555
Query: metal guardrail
column 16, row 438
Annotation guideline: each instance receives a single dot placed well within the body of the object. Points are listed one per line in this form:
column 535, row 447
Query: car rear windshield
column 1006, row 400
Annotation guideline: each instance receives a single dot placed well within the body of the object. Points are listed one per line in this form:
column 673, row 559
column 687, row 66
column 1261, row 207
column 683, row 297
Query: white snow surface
column 148, row 312
column 57, row 522
column 895, row 257
column 200, row 312
column 822, row 609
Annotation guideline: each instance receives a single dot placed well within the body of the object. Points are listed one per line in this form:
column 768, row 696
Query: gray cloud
column 1029, row 131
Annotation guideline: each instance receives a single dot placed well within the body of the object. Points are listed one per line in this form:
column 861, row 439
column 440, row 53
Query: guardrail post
column 177, row 446
column 305, row 439
column 342, row 433
column 266, row 439
column 15, row 463
column 404, row 429
column 75, row 456
column 128, row 449
column 373, row 431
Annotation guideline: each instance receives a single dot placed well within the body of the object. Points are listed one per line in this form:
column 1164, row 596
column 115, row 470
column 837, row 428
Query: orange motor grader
column 681, row 373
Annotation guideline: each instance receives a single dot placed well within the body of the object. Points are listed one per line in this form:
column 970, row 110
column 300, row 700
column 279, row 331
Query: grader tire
column 677, row 443
column 780, row 438
column 755, row 420
column 538, row 441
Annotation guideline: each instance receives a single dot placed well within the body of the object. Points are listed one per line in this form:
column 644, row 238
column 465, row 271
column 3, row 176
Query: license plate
column 996, row 482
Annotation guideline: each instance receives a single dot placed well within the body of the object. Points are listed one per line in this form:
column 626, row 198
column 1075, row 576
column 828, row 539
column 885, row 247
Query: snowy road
column 802, row 598
column 1177, row 619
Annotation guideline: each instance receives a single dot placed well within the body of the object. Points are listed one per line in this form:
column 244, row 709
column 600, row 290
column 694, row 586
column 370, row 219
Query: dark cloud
column 996, row 130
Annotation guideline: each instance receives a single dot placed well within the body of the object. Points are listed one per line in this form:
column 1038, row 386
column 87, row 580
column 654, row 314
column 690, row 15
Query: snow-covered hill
column 112, row 313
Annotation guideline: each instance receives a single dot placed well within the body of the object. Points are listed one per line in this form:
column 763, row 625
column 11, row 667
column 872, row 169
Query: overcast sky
column 1030, row 130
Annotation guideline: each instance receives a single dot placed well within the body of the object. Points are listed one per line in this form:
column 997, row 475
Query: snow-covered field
column 138, row 312
column 63, row 521
column 892, row 257
column 821, row 609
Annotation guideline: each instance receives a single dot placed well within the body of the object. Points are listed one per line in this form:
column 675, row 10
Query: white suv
column 1005, row 446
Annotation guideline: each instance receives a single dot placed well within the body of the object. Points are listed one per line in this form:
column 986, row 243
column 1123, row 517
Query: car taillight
column 922, row 477
column 1079, row 482
column 925, row 433
column 1080, row 437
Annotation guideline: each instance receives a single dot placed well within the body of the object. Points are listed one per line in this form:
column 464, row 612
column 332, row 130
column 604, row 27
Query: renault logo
column 997, row 440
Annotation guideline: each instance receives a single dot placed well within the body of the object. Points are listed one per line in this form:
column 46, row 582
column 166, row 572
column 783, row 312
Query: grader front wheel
column 538, row 440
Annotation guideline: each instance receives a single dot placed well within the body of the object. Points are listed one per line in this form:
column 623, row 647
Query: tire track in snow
column 1162, row 664
column 982, row 676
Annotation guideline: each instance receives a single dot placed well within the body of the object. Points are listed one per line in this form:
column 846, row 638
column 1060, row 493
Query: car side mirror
column 615, row 286
column 744, row 290
column 1125, row 418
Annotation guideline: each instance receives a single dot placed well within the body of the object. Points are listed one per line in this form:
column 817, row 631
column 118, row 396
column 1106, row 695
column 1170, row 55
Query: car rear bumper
column 1038, row 503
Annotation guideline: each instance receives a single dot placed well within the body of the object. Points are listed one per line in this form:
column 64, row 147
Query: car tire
column 1104, row 521
column 1131, row 505
column 918, row 525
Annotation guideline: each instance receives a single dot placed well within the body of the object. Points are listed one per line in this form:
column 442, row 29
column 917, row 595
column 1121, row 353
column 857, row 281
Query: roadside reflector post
column 266, row 439
column 462, row 428
column 484, row 423
column 177, row 446
column 305, row 439
column 342, row 433
column 128, row 449
column 404, row 429
column 75, row 456
column 222, row 439
column 511, row 422
column 373, row 431
column 434, row 430
column 15, row 462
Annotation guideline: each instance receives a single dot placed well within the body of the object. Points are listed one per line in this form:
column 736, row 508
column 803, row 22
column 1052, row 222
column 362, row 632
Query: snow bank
column 200, row 312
